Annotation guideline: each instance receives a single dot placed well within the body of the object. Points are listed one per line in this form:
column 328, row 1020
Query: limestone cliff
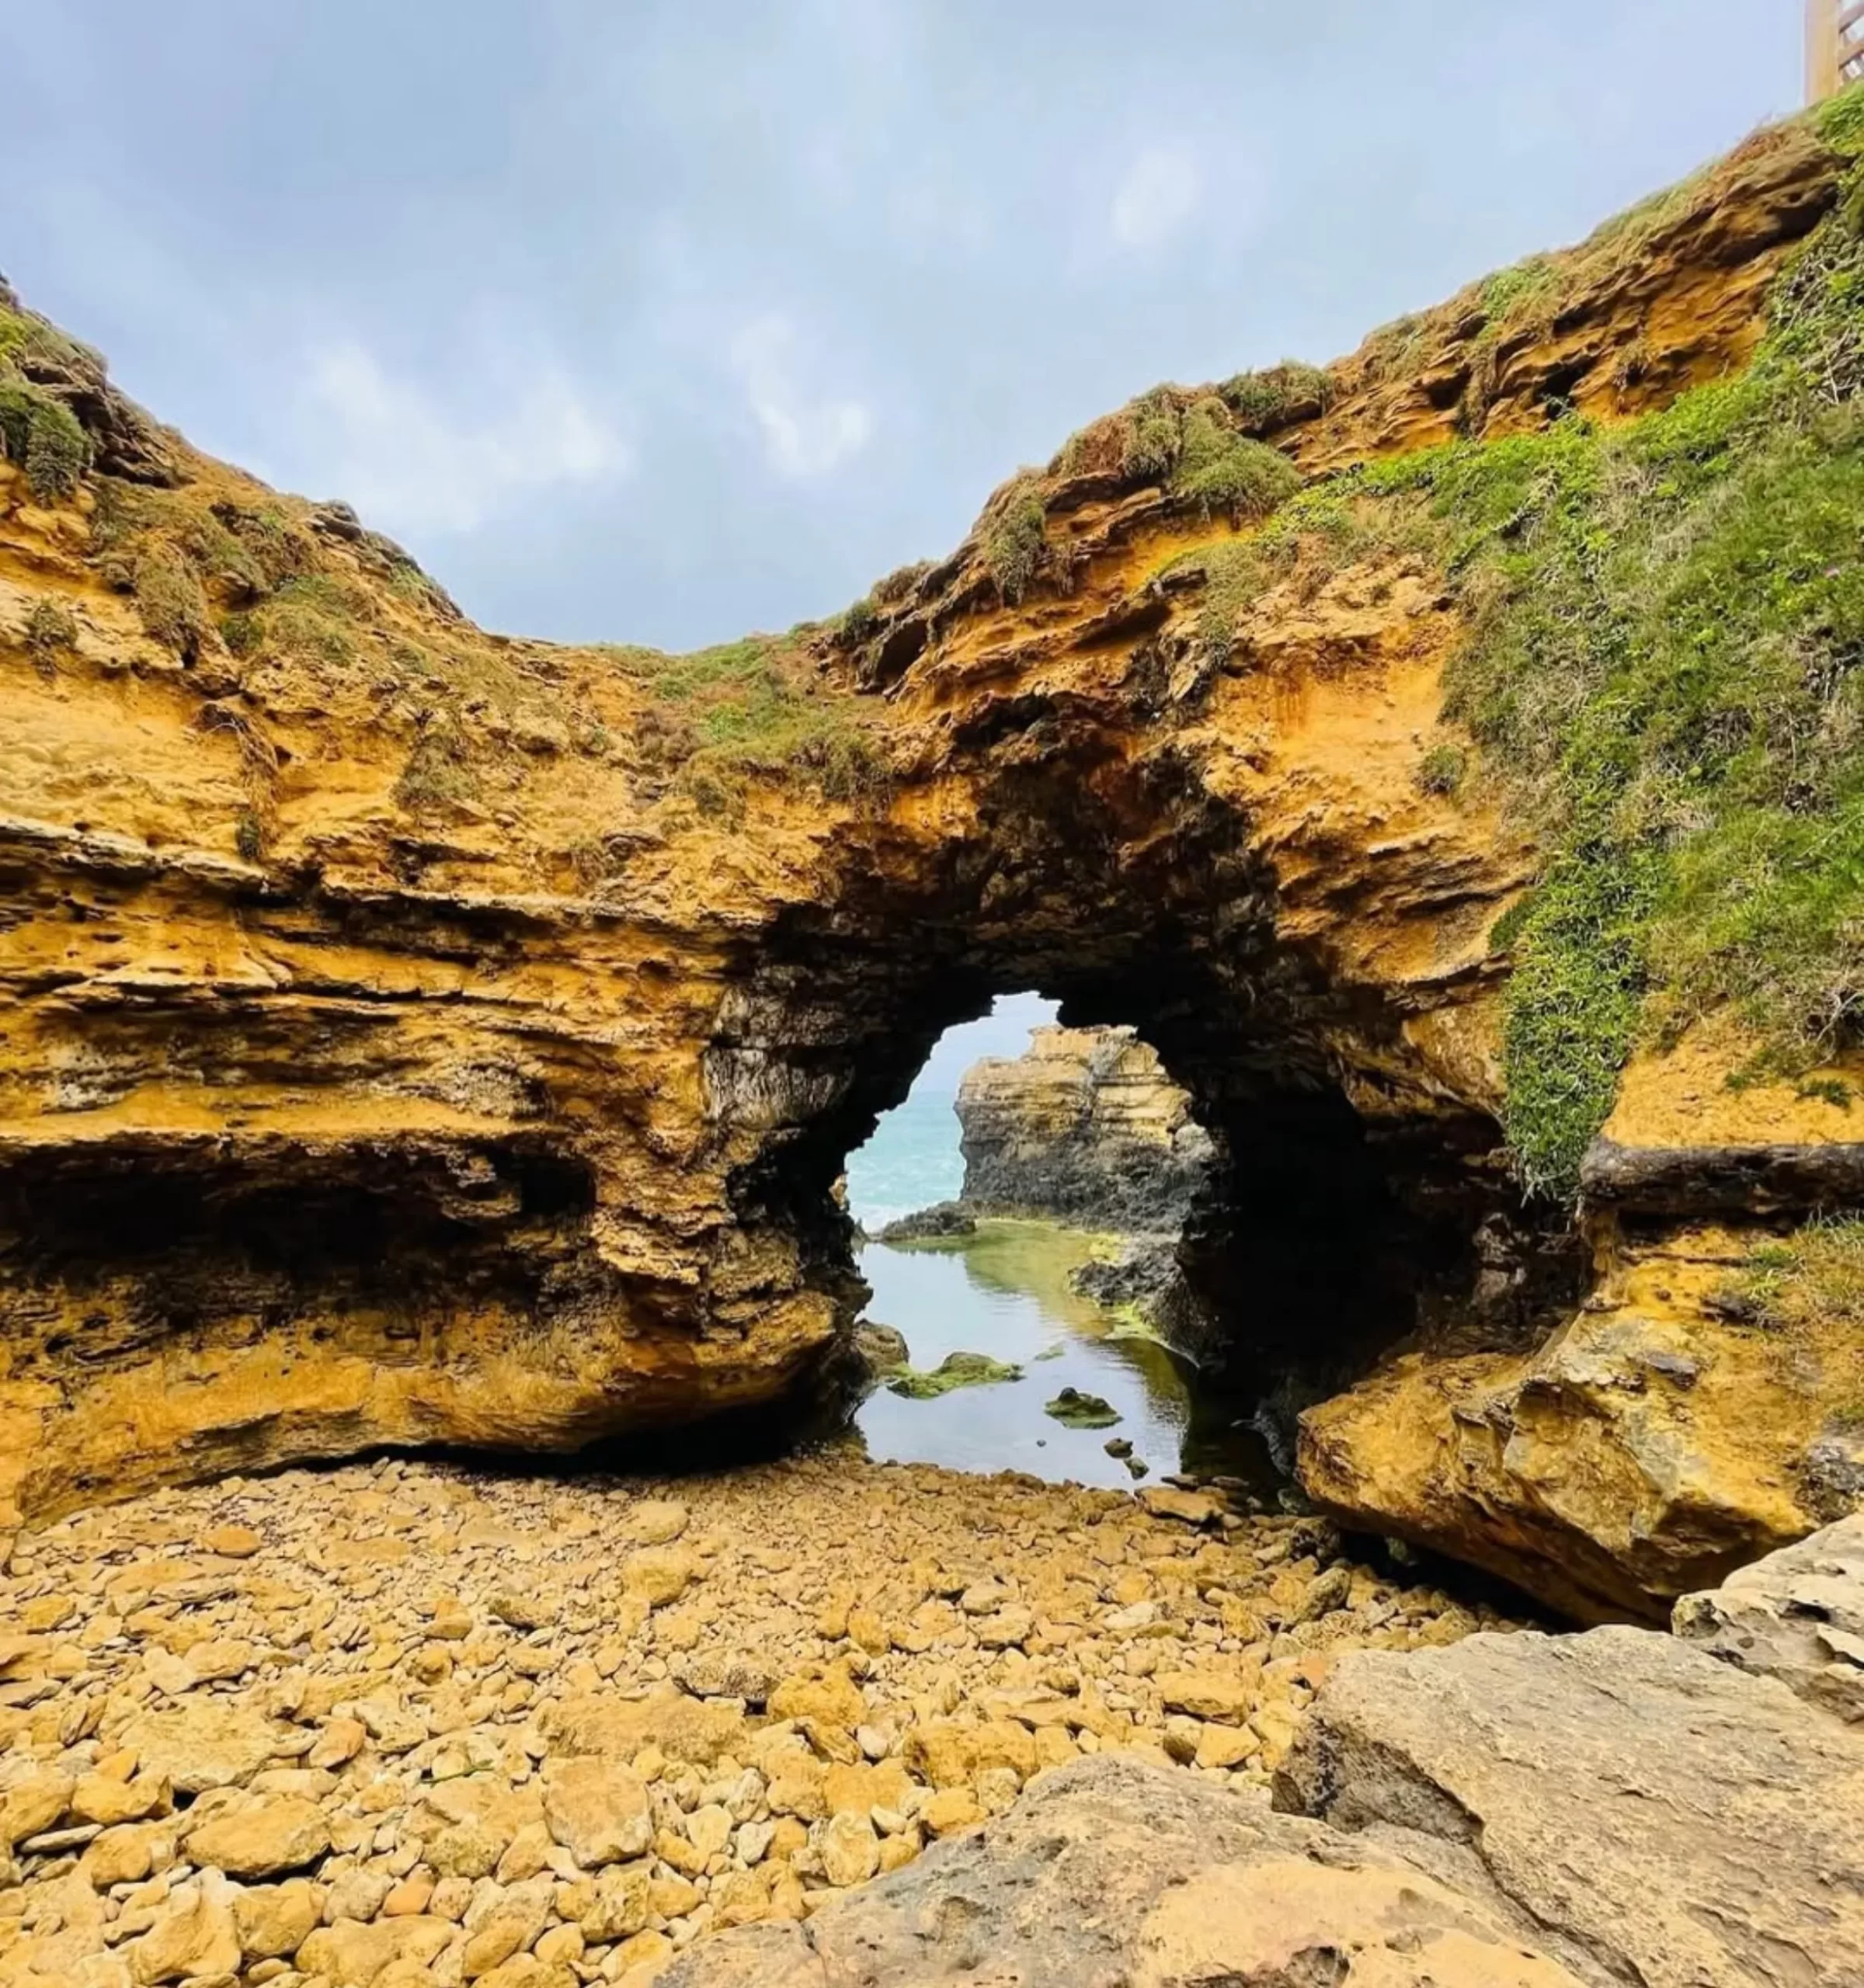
column 1084, row 1126
column 410, row 1035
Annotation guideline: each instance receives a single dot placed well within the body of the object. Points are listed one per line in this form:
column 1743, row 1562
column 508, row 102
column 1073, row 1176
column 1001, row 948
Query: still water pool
column 1005, row 1292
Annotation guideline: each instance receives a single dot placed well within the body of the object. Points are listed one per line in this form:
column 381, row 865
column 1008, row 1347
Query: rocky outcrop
column 1612, row 1808
column 1084, row 1126
column 1660, row 1817
column 411, row 1035
column 1798, row 1615
column 1114, row 1871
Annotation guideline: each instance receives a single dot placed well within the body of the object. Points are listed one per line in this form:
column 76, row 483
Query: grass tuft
column 1012, row 541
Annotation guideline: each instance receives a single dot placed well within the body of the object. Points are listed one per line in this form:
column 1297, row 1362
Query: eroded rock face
column 1798, row 1615
column 408, row 1039
column 1084, row 1126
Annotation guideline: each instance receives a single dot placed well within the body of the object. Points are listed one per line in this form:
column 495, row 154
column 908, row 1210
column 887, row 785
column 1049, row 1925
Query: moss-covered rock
column 956, row 1370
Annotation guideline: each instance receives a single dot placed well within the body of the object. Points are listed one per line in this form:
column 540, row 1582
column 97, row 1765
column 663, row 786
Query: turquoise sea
column 913, row 1159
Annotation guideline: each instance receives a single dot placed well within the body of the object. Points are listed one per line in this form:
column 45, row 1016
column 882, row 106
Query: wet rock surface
column 406, row 1723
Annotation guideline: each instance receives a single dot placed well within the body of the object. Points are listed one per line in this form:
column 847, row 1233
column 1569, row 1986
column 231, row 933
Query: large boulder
column 1798, row 1615
column 1663, row 1818
column 1114, row 1871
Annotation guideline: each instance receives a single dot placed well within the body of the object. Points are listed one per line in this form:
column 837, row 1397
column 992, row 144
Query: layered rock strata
column 1084, row 1126
column 413, row 1035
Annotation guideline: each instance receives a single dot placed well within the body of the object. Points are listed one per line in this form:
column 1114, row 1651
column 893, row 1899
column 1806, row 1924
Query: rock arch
column 416, row 1035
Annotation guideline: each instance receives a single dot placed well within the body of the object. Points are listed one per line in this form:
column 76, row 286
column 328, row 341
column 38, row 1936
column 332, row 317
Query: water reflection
column 1005, row 1292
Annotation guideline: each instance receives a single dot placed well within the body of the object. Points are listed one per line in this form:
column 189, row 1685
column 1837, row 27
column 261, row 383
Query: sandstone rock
column 232, row 1542
column 598, row 1811
column 618, row 1904
column 951, row 1755
column 1111, row 1872
column 683, row 1728
column 1208, row 1694
column 1329, row 911
column 261, row 1839
column 205, row 1743
column 1167, row 1501
column 1084, row 1126
column 352, row 1956
column 851, row 1850
column 828, row 1695
column 658, row 1521
column 32, row 1804
column 272, row 1921
column 129, row 1853
column 195, row 1936
column 1797, row 1615
column 659, row 1574
column 1662, row 1816
column 104, row 1799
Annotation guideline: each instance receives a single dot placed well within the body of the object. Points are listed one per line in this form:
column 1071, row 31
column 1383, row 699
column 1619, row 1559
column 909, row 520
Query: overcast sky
column 663, row 320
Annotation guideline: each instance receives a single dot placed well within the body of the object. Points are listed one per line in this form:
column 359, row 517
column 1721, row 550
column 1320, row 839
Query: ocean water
column 1006, row 1292
column 913, row 1159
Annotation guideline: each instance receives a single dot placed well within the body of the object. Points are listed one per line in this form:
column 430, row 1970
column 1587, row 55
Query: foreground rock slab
column 1665, row 1818
column 1114, row 1874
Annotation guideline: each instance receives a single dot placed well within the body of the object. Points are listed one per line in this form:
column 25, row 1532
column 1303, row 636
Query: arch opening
column 1357, row 1205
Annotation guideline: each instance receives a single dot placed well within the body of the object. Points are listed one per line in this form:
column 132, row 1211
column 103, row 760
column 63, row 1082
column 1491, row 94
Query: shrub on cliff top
column 748, row 707
column 1268, row 399
column 1221, row 471
column 1663, row 674
column 41, row 434
column 1013, row 535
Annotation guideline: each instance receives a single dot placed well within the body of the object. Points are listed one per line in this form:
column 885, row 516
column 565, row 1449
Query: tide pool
column 1005, row 1292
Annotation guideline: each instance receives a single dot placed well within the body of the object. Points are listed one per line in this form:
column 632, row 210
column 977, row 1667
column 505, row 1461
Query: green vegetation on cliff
column 1665, row 673
column 37, row 430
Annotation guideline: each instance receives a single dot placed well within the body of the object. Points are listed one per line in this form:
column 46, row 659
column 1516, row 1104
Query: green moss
column 41, row 434
column 1839, row 122
column 1076, row 1410
column 1222, row 471
column 1012, row 535
column 49, row 633
column 248, row 837
column 956, row 1370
